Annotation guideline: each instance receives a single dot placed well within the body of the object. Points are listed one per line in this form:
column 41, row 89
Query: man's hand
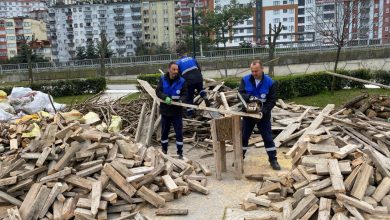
column 168, row 100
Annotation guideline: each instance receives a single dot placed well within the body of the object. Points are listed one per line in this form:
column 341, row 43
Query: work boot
column 164, row 151
column 181, row 157
column 207, row 102
column 275, row 165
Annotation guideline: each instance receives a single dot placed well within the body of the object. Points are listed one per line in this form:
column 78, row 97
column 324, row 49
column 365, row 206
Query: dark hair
column 171, row 63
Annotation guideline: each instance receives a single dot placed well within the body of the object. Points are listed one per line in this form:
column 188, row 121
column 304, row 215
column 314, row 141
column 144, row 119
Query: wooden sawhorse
column 227, row 128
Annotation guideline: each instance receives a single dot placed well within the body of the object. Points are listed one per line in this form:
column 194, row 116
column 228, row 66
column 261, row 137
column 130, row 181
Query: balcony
column 102, row 20
column 71, row 44
column 88, row 20
column 69, row 29
column 72, row 52
column 88, row 34
column 136, row 9
column 119, row 18
column 121, row 50
column 136, row 17
column 52, row 22
column 68, row 13
column 137, row 25
column 88, row 28
column 51, row 14
column 54, row 52
column 120, row 42
column 137, row 33
column 103, row 12
column 70, row 36
column 118, row 10
column 119, row 26
column 120, row 34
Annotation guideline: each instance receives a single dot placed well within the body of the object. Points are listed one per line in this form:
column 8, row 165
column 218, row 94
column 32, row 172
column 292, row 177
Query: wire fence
column 214, row 55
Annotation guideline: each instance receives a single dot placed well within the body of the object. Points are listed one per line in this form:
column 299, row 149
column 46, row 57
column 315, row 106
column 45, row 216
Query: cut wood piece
column 151, row 197
column 379, row 164
column 353, row 211
column 361, row 182
column 206, row 171
column 269, row 188
column 345, row 151
column 32, row 211
column 84, row 214
column 13, row 144
column 121, row 208
column 14, row 166
column 356, row 203
column 287, row 209
column 196, row 186
column 168, row 212
column 321, row 184
column 310, row 212
column 382, row 190
column 324, row 209
column 8, row 198
column 68, row 208
column 313, row 126
column 302, row 170
column 112, row 153
column 31, row 173
column 13, row 214
column 335, row 176
column 127, row 149
column 303, row 206
column 90, row 170
column 120, row 193
column 42, row 158
column 69, row 154
column 259, row 201
column 21, row 185
column 350, row 180
column 301, row 150
column 119, row 180
column 57, row 175
column 169, row 183
column 26, row 206
column 322, row 148
column 79, row 181
column 95, row 196
column 50, row 199
column 323, row 168
column 102, row 215
column 109, row 196
column 86, row 203
column 8, row 181
column 121, row 168
column 289, row 130
column 57, row 210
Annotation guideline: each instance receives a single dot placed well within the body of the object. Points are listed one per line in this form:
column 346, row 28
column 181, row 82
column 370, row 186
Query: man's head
column 257, row 69
column 173, row 70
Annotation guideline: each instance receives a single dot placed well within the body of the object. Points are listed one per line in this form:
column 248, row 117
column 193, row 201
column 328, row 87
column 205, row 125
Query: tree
column 103, row 51
column 80, row 53
column 272, row 37
column 348, row 24
column 222, row 20
column 143, row 49
column 90, row 52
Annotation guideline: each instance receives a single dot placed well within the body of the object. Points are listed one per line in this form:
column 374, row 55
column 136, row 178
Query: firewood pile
column 341, row 170
column 72, row 169
column 373, row 106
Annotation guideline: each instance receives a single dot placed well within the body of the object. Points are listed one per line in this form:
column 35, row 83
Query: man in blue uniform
column 259, row 86
column 172, row 87
column 189, row 69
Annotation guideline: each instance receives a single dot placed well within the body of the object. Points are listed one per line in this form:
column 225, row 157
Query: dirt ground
column 225, row 196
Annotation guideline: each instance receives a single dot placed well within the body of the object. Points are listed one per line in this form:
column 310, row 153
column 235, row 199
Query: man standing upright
column 171, row 87
column 259, row 87
column 189, row 69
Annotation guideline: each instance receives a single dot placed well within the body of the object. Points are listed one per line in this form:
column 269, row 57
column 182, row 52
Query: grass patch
column 72, row 99
column 127, row 81
column 131, row 97
column 338, row 98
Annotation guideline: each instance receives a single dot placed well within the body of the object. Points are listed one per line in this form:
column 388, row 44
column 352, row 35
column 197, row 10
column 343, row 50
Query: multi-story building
column 16, row 31
column 20, row 8
column 386, row 22
column 73, row 26
column 158, row 22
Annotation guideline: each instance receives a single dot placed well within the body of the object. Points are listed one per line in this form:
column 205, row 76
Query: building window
column 249, row 31
column 284, row 2
column 285, row 19
column 291, row 11
column 291, row 19
column 387, row 10
column 284, row 28
column 284, row 11
column 291, row 2
column 284, row 36
column 301, row 2
column 276, row 12
column 241, row 30
column 276, row 20
column 249, row 22
column 301, row 11
column 386, row 28
column 276, row 3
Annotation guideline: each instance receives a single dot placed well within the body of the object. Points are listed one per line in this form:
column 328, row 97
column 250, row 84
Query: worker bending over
column 258, row 87
column 172, row 87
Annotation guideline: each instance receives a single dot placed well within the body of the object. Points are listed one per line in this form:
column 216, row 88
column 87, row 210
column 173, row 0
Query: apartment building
column 20, row 8
column 386, row 21
column 159, row 25
column 73, row 26
column 14, row 32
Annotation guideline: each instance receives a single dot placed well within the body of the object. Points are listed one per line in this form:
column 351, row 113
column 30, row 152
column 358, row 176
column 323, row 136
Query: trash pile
column 24, row 101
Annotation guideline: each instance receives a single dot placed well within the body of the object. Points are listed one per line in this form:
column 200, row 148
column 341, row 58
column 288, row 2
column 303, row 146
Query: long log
column 357, row 80
column 152, row 93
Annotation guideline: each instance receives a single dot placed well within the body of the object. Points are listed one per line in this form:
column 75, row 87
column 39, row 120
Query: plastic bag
column 7, row 107
column 116, row 124
column 5, row 116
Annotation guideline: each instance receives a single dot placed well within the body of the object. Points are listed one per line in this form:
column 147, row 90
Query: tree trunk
column 30, row 72
column 271, row 55
column 102, row 67
column 224, row 51
column 335, row 69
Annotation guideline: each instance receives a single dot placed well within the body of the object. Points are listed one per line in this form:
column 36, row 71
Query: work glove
column 168, row 100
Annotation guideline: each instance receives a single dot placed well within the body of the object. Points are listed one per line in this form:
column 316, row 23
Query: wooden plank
column 42, row 158
column 206, row 171
column 121, row 168
column 310, row 212
column 358, row 80
column 50, row 199
column 10, row 199
column 322, row 148
column 324, row 209
column 141, row 120
column 31, row 173
column 69, row 154
column 168, row 212
column 152, row 93
column 68, row 208
column 237, row 145
column 25, row 207
column 382, row 189
column 151, row 121
column 95, row 196
column 259, row 201
column 59, row 174
column 313, row 126
column 356, row 203
column 57, row 210
column 353, row 211
column 361, row 183
column 8, row 181
column 269, row 188
column 90, row 170
column 87, row 204
column 127, row 149
column 289, row 130
column 303, row 206
column 377, row 161
column 12, row 167
column 112, row 153
column 336, row 176
column 119, row 180
column 79, row 181
column 345, row 151
column 350, row 180
column 151, row 197
column 287, row 209
column 323, row 168
column 301, row 150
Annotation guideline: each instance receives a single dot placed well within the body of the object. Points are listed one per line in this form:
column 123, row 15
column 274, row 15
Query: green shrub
column 68, row 87
column 382, row 76
column 360, row 74
column 152, row 79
